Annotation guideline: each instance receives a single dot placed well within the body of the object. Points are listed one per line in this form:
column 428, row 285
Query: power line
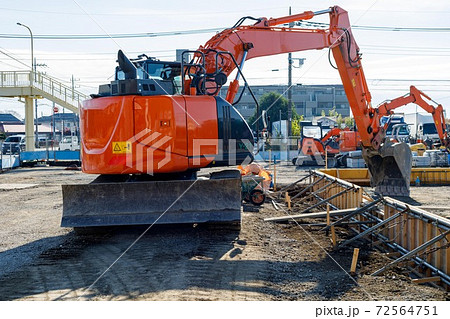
column 96, row 53
column 389, row 89
column 10, row 56
column 407, row 29
column 134, row 13
column 403, row 47
column 405, row 54
column 376, row 28
column 14, row 66
column 105, row 36
column 94, row 59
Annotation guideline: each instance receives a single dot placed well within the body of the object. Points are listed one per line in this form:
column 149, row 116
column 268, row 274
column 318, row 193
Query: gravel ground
column 263, row 261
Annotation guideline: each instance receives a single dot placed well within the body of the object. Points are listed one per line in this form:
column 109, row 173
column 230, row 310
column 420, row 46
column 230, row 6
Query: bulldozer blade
column 390, row 168
column 153, row 202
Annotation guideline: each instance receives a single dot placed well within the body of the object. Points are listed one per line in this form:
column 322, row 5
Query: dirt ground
column 263, row 261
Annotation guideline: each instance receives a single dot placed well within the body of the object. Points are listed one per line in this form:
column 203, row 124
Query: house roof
column 6, row 118
column 59, row 117
column 20, row 128
column 325, row 118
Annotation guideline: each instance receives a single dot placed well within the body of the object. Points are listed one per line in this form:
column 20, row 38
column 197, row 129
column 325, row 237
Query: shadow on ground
column 167, row 259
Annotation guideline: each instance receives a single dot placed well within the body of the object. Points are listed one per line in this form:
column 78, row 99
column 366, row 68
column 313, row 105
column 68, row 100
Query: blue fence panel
column 50, row 156
column 32, row 156
column 66, row 155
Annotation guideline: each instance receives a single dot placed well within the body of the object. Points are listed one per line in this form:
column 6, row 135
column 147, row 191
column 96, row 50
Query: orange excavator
column 311, row 150
column 418, row 97
column 150, row 130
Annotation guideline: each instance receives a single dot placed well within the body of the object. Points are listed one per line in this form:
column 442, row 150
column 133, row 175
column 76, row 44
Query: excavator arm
column 389, row 165
column 418, row 97
column 335, row 131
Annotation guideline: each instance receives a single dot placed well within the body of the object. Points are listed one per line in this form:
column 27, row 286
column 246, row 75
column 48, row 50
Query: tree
column 272, row 103
column 323, row 113
column 333, row 113
column 296, row 127
column 339, row 120
column 349, row 122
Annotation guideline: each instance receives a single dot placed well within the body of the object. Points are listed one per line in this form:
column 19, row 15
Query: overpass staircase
column 35, row 85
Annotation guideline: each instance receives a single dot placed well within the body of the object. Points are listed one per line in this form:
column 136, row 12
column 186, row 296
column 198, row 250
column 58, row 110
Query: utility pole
column 53, row 125
column 73, row 94
column 29, row 101
column 36, row 108
column 289, row 112
column 35, row 65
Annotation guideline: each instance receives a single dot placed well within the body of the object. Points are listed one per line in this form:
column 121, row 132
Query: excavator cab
column 143, row 76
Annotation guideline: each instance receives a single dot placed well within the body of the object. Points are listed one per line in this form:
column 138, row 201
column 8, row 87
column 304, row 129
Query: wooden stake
column 354, row 261
column 288, row 200
column 426, row 279
column 333, row 236
column 328, row 215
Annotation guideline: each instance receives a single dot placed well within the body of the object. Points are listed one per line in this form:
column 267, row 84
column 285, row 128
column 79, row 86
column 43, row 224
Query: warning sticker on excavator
column 121, row 147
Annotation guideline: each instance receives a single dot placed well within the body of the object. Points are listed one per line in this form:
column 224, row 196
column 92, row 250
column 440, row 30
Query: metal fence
column 284, row 149
column 8, row 159
column 420, row 237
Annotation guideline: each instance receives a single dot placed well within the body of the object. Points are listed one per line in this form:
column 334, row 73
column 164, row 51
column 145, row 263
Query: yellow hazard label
column 353, row 82
column 121, row 147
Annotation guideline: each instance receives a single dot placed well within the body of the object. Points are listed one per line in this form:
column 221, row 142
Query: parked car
column 14, row 144
column 69, row 143
column 45, row 142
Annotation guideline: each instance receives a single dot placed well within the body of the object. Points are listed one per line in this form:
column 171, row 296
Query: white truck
column 69, row 143
column 422, row 128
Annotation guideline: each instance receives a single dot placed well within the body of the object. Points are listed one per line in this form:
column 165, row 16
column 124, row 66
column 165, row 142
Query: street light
column 31, row 78
column 32, row 51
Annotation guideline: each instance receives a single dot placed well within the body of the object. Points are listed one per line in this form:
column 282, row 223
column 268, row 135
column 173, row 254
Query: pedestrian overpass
column 35, row 85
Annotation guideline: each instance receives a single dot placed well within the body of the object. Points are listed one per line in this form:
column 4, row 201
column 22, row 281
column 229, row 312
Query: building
column 45, row 131
column 6, row 122
column 11, row 125
column 326, row 121
column 70, row 122
column 6, row 118
column 308, row 100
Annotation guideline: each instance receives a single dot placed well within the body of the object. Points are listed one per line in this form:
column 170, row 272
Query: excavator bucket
column 214, row 200
column 390, row 168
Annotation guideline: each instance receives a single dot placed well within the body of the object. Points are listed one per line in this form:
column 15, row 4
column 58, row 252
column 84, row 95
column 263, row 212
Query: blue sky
column 392, row 60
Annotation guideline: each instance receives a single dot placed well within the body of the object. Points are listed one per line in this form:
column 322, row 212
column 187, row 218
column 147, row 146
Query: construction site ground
column 39, row 260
